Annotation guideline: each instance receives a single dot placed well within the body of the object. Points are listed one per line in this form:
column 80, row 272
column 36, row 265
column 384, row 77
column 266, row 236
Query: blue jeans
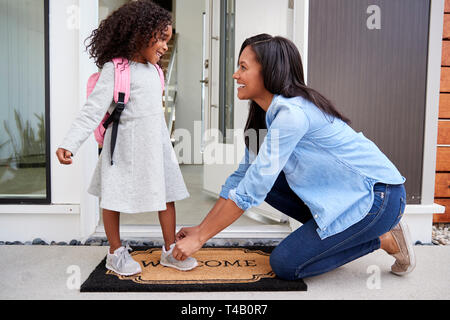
column 303, row 254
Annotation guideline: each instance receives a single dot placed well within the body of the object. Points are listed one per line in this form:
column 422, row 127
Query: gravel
column 440, row 237
column 156, row 243
column 441, row 234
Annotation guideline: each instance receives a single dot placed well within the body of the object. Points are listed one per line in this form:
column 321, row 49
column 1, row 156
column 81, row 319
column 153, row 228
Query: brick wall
column 442, row 187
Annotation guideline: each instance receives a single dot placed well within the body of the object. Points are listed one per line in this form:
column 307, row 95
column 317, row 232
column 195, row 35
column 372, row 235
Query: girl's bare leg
column 111, row 222
column 167, row 219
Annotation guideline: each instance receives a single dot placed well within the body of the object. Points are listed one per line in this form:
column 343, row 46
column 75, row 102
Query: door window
column 24, row 88
column 227, row 68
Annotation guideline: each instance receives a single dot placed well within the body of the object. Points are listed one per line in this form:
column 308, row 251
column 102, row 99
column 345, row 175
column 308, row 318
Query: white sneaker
column 168, row 260
column 122, row 263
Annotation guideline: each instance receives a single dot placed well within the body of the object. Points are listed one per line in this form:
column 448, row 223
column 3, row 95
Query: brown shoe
column 405, row 259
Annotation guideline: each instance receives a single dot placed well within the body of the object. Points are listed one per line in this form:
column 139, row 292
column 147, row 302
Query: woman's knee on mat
column 279, row 261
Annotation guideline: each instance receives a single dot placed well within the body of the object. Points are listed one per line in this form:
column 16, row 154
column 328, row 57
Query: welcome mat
column 219, row 269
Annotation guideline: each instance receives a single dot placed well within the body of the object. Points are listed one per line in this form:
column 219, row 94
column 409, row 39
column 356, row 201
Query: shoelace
column 123, row 256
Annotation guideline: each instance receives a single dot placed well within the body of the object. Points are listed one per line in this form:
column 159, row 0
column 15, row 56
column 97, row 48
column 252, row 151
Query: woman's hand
column 64, row 156
column 184, row 232
column 187, row 243
column 190, row 240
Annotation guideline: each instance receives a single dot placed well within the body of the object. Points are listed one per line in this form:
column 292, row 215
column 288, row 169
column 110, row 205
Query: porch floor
column 42, row 272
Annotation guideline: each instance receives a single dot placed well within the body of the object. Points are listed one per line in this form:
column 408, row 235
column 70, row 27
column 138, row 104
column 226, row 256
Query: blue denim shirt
column 327, row 164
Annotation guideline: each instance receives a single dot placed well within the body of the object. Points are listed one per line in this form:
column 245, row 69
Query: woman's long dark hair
column 282, row 72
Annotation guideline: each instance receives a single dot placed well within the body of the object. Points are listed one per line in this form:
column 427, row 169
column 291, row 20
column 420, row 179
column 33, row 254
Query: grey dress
column 145, row 175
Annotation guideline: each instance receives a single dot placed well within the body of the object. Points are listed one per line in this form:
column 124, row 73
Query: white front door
column 216, row 167
column 223, row 149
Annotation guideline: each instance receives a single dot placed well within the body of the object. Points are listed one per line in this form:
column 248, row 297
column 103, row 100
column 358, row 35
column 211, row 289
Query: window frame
column 47, row 199
column 226, row 46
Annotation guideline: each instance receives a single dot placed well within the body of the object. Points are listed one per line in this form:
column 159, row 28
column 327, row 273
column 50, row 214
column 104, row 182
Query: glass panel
column 106, row 7
column 23, row 165
column 227, row 68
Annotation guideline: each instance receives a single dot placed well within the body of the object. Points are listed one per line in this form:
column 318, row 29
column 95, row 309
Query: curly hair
column 127, row 30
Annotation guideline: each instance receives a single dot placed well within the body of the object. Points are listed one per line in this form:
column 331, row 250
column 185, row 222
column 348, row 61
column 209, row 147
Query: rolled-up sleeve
column 289, row 125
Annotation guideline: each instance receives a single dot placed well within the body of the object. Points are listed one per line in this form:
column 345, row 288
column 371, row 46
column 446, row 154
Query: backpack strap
column 161, row 76
column 121, row 97
column 121, row 79
column 114, row 119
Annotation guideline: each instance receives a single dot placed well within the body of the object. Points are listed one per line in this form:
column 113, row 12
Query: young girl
column 313, row 167
column 145, row 176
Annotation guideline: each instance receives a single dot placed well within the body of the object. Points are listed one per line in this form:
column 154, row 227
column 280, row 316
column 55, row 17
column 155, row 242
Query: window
column 227, row 68
column 24, row 107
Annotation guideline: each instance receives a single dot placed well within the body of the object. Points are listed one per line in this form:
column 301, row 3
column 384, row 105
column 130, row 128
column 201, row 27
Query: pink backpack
column 121, row 97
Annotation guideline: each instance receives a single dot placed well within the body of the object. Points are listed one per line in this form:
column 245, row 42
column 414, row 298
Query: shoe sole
column 409, row 247
column 165, row 264
column 121, row 273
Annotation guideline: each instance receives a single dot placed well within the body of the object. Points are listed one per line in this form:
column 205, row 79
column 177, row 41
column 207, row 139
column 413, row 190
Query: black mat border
column 99, row 281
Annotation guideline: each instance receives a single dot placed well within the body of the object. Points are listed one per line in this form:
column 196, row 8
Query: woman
column 312, row 167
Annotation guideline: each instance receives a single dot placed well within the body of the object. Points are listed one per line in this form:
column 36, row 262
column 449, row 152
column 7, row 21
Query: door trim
column 432, row 100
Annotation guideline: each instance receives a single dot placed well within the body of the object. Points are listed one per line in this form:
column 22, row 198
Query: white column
column 89, row 215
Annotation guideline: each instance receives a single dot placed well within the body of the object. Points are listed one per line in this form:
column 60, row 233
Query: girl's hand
column 188, row 242
column 64, row 156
